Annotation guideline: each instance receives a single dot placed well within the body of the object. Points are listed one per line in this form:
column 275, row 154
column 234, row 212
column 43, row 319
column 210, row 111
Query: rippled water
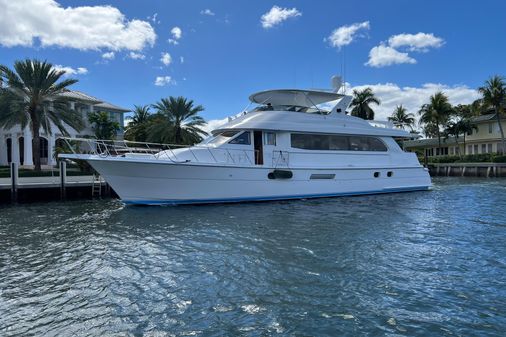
column 423, row 263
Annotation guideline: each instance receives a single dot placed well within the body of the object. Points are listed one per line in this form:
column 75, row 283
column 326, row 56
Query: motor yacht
column 293, row 144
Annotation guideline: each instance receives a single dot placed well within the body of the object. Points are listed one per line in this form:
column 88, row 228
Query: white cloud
column 181, row 59
column 214, row 123
column 164, row 80
column 166, row 59
column 71, row 71
column 382, row 55
column 176, row 33
column 154, row 18
column 388, row 54
column 412, row 98
column 207, row 11
column 416, row 42
column 81, row 27
column 345, row 35
column 109, row 55
column 277, row 15
column 136, row 56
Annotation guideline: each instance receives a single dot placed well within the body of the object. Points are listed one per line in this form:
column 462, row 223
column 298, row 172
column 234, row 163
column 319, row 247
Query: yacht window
column 269, row 138
column 222, row 138
column 336, row 143
column 242, row 139
column 376, row 144
column 339, row 143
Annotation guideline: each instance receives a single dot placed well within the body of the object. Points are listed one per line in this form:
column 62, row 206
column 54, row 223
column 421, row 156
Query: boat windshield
column 220, row 138
column 294, row 108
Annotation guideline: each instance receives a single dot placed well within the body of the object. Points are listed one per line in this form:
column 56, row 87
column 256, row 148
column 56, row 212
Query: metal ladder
column 96, row 186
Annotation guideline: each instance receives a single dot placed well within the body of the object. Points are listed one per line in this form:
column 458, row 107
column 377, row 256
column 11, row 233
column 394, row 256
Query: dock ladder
column 96, row 186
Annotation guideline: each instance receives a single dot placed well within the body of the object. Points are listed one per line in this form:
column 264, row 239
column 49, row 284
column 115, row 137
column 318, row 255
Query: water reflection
column 413, row 263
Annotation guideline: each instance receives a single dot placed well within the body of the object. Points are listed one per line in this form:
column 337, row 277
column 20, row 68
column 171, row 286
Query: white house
column 16, row 143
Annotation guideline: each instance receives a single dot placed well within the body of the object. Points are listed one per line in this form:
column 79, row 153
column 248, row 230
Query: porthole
column 390, row 173
column 376, row 174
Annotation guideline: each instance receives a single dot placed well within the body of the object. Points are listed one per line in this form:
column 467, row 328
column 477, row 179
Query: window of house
column 269, row 138
column 336, row 142
column 451, row 151
column 476, row 149
column 483, row 148
column 470, row 149
column 489, row 146
column 242, row 139
column 490, row 127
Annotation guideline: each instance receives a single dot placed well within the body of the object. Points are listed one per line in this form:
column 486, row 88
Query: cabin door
column 259, row 150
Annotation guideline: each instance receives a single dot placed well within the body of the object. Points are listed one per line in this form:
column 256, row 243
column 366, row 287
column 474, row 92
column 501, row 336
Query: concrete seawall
column 468, row 169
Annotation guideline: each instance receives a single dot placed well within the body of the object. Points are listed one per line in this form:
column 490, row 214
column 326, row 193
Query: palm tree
column 177, row 121
column 103, row 126
column 401, row 118
column 33, row 97
column 137, row 127
column 494, row 96
column 437, row 113
column 461, row 127
column 360, row 103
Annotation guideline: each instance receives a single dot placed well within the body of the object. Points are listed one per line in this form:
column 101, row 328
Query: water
column 415, row 264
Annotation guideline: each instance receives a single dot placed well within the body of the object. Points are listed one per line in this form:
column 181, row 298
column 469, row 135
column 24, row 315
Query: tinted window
column 222, row 137
column 336, row 143
column 242, row 139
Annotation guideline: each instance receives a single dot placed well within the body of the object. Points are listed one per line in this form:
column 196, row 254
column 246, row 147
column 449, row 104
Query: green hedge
column 470, row 158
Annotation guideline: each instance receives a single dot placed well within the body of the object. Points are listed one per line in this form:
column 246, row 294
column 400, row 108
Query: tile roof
column 74, row 94
column 81, row 96
column 429, row 142
column 110, row 106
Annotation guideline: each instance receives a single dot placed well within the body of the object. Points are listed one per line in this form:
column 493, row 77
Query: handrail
column 158, row 151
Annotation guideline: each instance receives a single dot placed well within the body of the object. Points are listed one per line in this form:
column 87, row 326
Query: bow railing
column 157, row 151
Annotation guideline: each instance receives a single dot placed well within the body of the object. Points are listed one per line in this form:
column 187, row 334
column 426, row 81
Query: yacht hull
column 158, row 182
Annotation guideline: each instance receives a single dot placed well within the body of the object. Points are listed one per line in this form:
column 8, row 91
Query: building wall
column 486, row 131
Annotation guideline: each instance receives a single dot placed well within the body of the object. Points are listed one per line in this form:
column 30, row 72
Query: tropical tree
column 103, row 126
column 436, row 113
column 32, row 96
column 494, row 96
column 402, row 118
column 176, row 121
column 461, row 127
column 137, row 128
column 470, row 110
column 361, row 101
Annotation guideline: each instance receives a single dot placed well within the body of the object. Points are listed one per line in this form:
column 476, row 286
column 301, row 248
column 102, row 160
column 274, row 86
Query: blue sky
column 221, row 51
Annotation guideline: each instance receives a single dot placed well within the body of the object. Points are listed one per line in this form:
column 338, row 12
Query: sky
column 219, row 52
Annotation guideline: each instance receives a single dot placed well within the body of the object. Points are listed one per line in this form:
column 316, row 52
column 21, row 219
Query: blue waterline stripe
column 286, row 197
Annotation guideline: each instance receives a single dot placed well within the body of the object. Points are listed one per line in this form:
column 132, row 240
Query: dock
column 60, row 186
column 488, row 170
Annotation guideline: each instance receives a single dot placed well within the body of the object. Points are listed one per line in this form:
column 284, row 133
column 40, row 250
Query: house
column 16, row 143
column 485, row 138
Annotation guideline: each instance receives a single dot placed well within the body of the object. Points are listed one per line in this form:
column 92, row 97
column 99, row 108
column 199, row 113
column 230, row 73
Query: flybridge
column 300, row 100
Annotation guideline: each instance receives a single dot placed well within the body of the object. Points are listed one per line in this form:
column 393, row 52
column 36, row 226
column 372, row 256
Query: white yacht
column 294, row 144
